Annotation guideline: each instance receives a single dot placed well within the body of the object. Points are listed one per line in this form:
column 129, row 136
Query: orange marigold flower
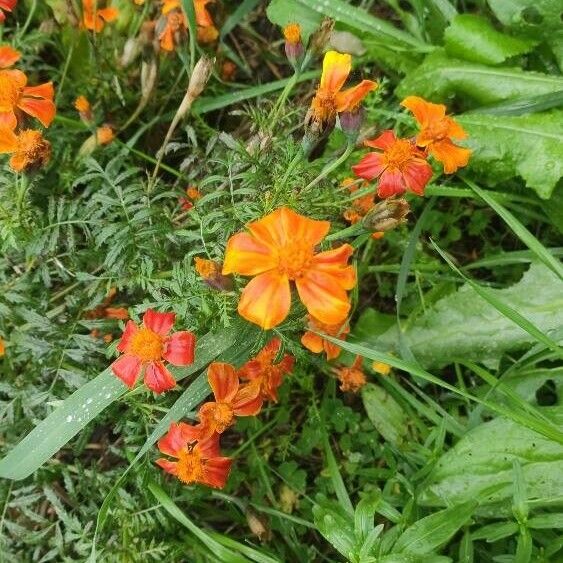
column 231, row 399
column 36, row 101
column 198, row 459
column 7, row 5
column 2, row 347
column 351, row 378
column 317, row 344
column 280, row 248
column 206, row 30
column 400, row 167
column 29, row 149
column 104, row 135
column 292, row 33
column 8, row 56
column 95, row 17
column 172, row 26
column 436, row 133
column 330, row 99
column 381, row 367
column 146, row 347
column 266, row 375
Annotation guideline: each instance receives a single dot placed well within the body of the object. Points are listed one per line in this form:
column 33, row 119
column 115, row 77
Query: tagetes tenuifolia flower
column 145, row 347
column 330, row 99
column 94, row 16
column 2, row 347
column 351, row 378
column 400, row 166
column 16, row 97
column 280, row 248
column 198, row 460
column 206, row 30
column 231, row 399
column 436, row 133
column 175, row 24
column 317, row 344
column 8, row 56
column 7, row 5
column 262, row 372
column 28, row 148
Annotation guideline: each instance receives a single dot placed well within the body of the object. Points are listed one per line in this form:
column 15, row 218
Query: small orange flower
column 228, row 71
column 15, row 96
column 8, row 56
column 210, row 272
column 231, row 399
column 436, row 133
column 172, row 26
column 7, row 5
column 104, row 135
column 192, row 195
column 2, row 347
column 280, row 248
column 147, row 346
column 206, row 30
column 199, row 459
column 29, row 149
column 94, row 17
column 361, row 205
column 318, row 344
column 330, row 99
column 400, row 167
column 292, row 33
column 351, row 378
column 264, row 374
column 84, row 108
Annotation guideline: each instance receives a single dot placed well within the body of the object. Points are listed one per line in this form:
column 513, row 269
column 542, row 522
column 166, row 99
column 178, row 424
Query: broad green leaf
column 336, row 525
column 464, row 326
column 480, row 467
column 440, row 77
column 529, row 146
column 75, row 412
column 429, row 533
column 385, row 413
column 473, row 38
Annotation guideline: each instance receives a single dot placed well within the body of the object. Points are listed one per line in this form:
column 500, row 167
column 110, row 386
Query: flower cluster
column 19, row 102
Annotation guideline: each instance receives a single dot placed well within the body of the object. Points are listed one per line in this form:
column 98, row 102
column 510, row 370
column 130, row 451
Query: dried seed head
column 200, row 76
column 386, row 215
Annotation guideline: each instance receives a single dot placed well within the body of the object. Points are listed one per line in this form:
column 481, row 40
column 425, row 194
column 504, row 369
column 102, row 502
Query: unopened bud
column 210, row 272
column 84, row 109
column 131, row 51
column 351, row 122
column 200, row 76
column 258, row 526
column 386, row 215
column 293, row 45
column 320, row 38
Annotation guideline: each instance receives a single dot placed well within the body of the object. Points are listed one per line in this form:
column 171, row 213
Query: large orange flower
column 317, row 344
column 8, row 56
column 7, row 5
column 36, row 101
column 231, row 399
column 330, row 99
column 280, row 248
column 436, row 133
column 266, row 375
column 94, row 17
column 400, row 166
column 199, row 460
column 145, row 347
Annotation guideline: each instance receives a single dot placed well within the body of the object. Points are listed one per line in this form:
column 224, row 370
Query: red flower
column 7, row 5
column 400, row 167
column 145, row 347
column 231, row 399
column 264, row 374
column 199, row 459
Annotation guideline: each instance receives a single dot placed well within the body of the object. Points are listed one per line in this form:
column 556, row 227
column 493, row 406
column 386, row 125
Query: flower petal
column 424, row 112
column 127, row 368
column 455, row 130
column 247, row 256
column 108, row 14
column 323, row 296
column 209, row 447
column 43, row 110
column 266, row 300
column 370, row 167
column 450, row 155
column 223, row 381
column 8, row 120
column 180, row 348
column 336, row 68
column 8, row 56
column 161, row 323
column 335, row 263
column 312, row 342
column 391, row 183
column 384, row 141
column 173, row 441
column 246, row 404
column 350, row 98
column 158, row 378
column 8, row 140
column 45, row 91
column 130, row 329
column 167, row 465
column 216, row 472
column 416, row 175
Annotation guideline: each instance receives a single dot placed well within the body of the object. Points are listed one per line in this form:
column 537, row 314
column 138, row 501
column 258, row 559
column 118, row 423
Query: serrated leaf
column 440, row 77
column 472, row 38
column 464, row 326
column 480, row 467
column 529, row 146
column 385, row 413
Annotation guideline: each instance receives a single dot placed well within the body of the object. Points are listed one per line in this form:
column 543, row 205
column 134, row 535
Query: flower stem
column 328, row 169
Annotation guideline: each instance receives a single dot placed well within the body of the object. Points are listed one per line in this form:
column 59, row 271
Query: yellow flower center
column 218, row 416
column 9, row 93
column 189, row 467
column 146, row 345
column 398, row 154
column 295, row 258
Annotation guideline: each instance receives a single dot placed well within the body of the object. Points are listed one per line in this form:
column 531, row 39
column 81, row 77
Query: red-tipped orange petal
column 349, row 99
column 370, row 167
column 130, row 329
column 158, row 378
column 223, row 381
column 8, row 56
column 416, row 175
column 247, row 256
column 167, row 465
column 312, row 342
column 249, row 407
column 216, row 472
column 336, row 68
column 391, row 183
column 45, row 90
column 384, row 141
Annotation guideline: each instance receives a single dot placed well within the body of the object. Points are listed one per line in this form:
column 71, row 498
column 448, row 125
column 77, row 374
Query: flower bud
column 293, row 45
column 210, row 272
column 258, row 525
column 200, row 76
column 84, row 109
column 351, row 122
column 386, row 215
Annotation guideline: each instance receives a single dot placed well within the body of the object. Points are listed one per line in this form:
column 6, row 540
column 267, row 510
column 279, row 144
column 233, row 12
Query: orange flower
column 36, row 101
column 119, row 313
column 228, row 71
column 210, row 272
column 318, row 344
column 264, row 374
column 104, row 135
column 84, row 108
column 29, row 149
column 206, row 30
column 199, row 459
column 351, row 378
column 145, row 347
column 94, row 17
column 2, row 347
column 280, row 248
column 436, row 133
column 175, row 24
column 330, row 99
column 7, row 5
column 231, row 399
column 292, row 33
column 8, row 56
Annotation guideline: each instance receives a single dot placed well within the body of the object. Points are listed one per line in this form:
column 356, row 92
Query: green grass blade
column 245, row 7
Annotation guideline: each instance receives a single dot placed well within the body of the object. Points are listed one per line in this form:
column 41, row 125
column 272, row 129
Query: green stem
column 275, row 115
column 328, row 169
